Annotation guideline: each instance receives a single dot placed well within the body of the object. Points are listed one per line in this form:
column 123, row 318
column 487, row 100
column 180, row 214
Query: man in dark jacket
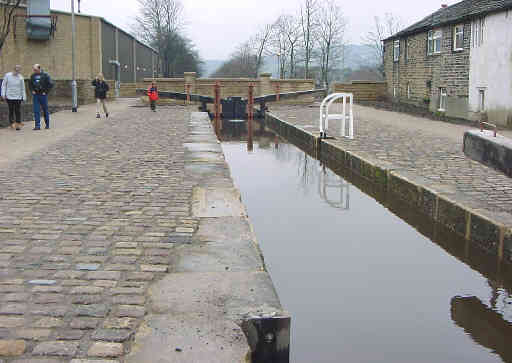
column 40, row 84
column 100, row 92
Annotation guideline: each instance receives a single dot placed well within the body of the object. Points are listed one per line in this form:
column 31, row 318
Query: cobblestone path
column 86, row 224
column 429, row 149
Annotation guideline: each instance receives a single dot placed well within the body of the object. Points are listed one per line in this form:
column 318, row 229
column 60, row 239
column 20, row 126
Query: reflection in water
column 485, row 326
column 331, row 188
column 379, row 291
column 334, row 190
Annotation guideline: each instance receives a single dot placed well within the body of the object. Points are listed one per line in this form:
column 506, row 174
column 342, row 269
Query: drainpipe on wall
column 117, row 86
column 74, row 93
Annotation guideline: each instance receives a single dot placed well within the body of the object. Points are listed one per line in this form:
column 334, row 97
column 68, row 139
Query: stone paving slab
column 419, row 147
column 99, row 231
column 90, row 214
column 19, row 144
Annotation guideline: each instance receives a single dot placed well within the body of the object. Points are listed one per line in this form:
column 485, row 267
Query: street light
column 74, row 93
column 278, row 64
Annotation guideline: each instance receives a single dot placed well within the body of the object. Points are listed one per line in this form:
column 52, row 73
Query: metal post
column 187, row 89
column 250, row 114
column 351, row 117
column 278, row 92
column 217, row 107
column 74, row 93
column 279, row 65
column 344, row 117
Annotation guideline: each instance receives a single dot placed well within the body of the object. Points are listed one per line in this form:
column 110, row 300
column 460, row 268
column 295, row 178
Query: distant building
column 99, row 46
column 457, row 61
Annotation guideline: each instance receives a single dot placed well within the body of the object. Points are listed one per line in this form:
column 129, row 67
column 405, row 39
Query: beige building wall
column 55, row 54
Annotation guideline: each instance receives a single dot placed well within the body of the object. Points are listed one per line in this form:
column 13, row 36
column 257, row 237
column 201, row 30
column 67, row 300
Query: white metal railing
column 325, row 116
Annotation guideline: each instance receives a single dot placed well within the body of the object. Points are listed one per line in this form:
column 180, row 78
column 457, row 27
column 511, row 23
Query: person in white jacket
column 13, row 91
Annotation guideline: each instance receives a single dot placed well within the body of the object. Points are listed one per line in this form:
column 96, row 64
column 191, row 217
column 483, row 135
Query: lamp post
column 279, row 65
column 74, row 93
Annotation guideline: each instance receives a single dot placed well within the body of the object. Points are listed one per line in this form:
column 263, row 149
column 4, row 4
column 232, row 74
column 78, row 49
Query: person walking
column 40, row 84
column 13, row 91
column 100, row 92
column 153, row 95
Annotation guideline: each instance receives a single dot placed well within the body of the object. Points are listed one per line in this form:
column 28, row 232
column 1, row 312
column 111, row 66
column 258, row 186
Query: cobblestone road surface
column 419, row 146
column 86, row 223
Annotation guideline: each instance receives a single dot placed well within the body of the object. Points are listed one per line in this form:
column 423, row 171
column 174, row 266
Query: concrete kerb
column 484, row 229
column 184, row 309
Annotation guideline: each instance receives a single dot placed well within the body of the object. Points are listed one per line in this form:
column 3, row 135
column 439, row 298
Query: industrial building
column 44, row 36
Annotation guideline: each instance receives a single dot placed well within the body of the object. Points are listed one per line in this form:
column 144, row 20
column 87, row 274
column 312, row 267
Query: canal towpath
column 125, row 240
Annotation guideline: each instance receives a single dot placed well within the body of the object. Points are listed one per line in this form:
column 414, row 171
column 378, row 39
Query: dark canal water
column 360, row 284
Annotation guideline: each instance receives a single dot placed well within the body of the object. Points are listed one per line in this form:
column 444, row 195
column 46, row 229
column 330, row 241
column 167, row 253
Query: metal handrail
column 325, row 117
column 490, row 125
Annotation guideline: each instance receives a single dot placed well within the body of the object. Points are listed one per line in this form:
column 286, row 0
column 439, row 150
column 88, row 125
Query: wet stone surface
column 86, row 225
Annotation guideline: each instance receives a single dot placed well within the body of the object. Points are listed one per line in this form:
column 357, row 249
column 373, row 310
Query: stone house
column 100, row 47
column 456, row 61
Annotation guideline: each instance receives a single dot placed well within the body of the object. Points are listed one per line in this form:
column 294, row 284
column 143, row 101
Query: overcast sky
column 217, row 26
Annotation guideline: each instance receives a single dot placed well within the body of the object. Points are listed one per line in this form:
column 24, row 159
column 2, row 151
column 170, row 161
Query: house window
column 408, row 91
column 396, row 50
column 394, row 91
column 481, row 100
column 442, row 99
column 434, row 41
column 458, row 37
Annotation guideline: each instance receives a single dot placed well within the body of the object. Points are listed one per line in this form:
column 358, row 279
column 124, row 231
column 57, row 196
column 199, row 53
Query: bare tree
column 288, row 28
column 259, row 43
column 279, row 45
column 243, row 63
column 8, row 9
column 307, row 20
column 330, row 32
column 384, row 27
column 158, row 24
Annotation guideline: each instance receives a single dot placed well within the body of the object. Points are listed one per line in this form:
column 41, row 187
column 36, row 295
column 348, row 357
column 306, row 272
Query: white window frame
column 438, row 36
column 396, row 50
column 481, row 100
column 442, row 99
column 458, row 33
column 433, row 37
column 394, row 91
column 408, row 90
column 430, row 42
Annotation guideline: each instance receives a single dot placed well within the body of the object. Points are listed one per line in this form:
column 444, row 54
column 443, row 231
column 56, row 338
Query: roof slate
column 464, row 10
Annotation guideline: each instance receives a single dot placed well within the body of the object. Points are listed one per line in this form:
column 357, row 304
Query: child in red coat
column 153, row 95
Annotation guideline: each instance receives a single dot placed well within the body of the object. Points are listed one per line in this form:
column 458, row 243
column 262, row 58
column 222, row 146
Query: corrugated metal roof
column 461, row 11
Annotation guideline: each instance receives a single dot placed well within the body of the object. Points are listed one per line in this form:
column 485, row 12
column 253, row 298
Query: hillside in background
column 357, row 57
column 210, row 66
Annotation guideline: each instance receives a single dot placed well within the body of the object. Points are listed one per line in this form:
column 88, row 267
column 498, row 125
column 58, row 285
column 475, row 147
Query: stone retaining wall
column 487, row 233
column 495, row 152
column 363, row 91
